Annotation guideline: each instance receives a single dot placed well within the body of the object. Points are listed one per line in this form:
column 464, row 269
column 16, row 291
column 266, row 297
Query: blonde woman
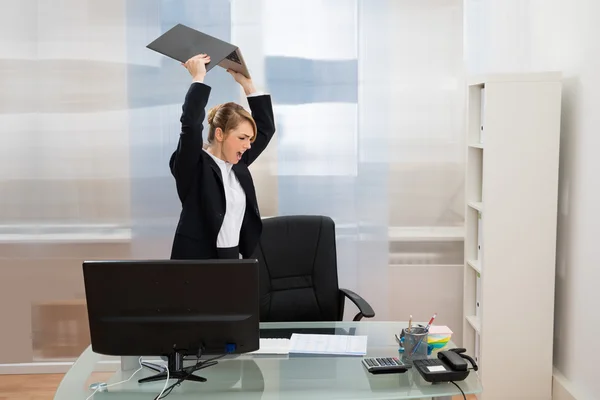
column 219, row 217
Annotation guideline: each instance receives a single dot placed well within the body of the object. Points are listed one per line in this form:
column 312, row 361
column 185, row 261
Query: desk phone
column 449, row 366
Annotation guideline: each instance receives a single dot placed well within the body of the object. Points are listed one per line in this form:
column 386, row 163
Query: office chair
column 298, row 272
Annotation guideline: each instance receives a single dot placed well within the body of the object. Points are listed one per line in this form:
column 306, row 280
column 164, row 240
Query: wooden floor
column 43, row 387
column 29, row 387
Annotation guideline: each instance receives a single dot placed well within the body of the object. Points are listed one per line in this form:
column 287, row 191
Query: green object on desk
column 267, row 377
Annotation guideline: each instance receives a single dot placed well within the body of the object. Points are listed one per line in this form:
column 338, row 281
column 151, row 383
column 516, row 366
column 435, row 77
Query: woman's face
column 236, row 142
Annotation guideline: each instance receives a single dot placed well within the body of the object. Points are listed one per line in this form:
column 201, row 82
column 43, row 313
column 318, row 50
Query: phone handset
column 455, row 359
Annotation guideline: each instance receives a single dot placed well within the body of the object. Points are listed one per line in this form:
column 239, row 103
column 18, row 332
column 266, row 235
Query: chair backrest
column 298, row 270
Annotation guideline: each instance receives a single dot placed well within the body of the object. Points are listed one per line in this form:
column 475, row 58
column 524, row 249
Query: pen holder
column 413, row 343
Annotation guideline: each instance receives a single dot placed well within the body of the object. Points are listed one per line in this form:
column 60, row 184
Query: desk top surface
column 269, row 377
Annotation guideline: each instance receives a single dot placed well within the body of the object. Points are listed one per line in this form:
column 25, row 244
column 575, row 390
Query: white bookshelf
column 512, row 183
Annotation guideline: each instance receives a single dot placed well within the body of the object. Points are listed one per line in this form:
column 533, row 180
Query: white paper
column 436, row 368
column 328, row 344
column 439, row 330
column 273, row 346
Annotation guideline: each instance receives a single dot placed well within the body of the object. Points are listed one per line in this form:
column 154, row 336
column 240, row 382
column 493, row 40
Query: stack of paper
column 273, row 346
column 335, row 345
column 439, row 336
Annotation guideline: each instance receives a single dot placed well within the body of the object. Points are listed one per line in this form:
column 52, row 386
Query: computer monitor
column 172, row 308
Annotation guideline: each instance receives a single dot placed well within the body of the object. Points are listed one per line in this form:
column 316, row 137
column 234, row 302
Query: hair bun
column 212, row 113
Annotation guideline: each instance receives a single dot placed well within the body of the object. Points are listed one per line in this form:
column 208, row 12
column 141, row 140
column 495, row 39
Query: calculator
column 384, row 365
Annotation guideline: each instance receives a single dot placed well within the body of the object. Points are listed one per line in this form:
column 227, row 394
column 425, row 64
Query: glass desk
column 271, row 377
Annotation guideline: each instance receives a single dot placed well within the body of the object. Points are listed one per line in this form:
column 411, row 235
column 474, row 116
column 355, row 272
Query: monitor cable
column 166, row 383
column 102, row 386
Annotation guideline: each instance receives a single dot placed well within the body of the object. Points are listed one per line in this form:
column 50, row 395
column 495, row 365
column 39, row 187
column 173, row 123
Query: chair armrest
column 364, row 308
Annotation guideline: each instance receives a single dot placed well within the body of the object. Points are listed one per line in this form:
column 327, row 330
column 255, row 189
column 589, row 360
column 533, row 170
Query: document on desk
column 334, row 345
column 273, row 346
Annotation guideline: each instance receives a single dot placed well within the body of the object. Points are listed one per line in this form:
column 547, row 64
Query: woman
column 219, row 217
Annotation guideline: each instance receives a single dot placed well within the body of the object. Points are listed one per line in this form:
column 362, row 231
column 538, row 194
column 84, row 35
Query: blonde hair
column 228, row 116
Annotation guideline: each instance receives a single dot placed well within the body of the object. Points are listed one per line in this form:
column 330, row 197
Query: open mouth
column 239, row 155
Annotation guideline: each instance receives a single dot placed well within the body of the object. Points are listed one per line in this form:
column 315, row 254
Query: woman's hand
column 196, row 66
column 246, row 83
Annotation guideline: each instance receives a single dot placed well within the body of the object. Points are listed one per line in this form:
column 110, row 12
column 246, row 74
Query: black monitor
column 172, row 308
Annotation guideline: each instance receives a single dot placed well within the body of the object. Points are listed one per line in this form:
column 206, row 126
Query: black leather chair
column 298, row 272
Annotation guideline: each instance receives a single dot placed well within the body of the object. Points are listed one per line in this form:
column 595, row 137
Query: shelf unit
column 513, row 138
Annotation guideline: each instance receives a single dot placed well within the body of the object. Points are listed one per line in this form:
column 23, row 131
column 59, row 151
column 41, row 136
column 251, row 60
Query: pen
column 427, row 330
column 409, row 323
column 431, row 321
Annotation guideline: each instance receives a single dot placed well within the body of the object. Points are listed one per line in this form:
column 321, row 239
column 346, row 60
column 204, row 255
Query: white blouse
column 235, row 202
column 235, row 206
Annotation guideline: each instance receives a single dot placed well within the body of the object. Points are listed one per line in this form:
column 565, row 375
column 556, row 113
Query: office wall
column 369, row 116
column 530, row 35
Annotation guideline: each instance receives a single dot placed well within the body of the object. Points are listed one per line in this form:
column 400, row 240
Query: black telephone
column 449, row 366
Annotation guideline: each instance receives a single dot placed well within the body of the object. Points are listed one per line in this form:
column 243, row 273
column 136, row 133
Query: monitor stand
column 176, row 369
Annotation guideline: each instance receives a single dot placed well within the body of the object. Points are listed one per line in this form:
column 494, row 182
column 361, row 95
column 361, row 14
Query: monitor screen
column 158, row 307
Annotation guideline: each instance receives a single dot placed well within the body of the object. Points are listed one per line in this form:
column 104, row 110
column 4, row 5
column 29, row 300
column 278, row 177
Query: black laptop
column 182, row 43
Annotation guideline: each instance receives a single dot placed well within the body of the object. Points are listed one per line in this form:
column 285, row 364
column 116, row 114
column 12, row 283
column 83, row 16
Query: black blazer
column 200, row 184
